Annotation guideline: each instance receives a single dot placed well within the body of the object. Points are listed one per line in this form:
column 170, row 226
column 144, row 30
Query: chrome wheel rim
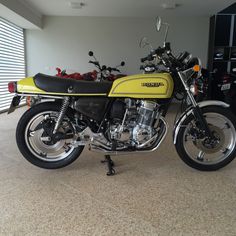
column 225, row 132
column 36, row 144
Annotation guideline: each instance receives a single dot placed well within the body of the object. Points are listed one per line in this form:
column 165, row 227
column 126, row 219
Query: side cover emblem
column 152, row 84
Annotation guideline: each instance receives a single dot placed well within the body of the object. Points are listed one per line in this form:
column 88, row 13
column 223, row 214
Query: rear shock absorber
column 62, row 113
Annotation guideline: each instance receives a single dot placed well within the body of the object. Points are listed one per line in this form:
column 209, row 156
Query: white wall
column 65, row 41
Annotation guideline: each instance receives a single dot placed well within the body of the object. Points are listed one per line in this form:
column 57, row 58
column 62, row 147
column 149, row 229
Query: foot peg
column 110, row 165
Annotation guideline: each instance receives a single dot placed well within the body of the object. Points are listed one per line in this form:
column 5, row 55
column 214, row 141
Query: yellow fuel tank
column 143, row 86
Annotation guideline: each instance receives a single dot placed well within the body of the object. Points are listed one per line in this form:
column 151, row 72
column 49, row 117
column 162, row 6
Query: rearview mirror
column 158, row 23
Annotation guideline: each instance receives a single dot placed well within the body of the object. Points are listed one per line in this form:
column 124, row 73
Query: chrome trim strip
column 38, row 95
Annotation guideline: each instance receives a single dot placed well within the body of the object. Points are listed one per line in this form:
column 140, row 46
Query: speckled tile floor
column 152, row 194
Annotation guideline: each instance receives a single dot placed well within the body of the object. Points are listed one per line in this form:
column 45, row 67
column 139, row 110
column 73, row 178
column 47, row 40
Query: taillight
column 12, row 87
column 226, row 79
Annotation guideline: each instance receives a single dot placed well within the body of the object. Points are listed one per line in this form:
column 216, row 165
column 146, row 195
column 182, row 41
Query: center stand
column 109, row 161
column 110, row 165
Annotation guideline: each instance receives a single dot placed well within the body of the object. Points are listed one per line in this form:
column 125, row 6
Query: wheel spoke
column 188, row 138
column 201, row 156
column 39, row 127
column 31, row 133
column 47, row 116
column 43, row 154
column 224, row 151
column 226, row 126
column 67, row 147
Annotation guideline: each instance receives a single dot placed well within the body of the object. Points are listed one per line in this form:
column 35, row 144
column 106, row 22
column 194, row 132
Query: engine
column 133, row 122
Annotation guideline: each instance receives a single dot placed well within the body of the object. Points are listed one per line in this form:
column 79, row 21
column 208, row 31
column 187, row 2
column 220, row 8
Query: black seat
column 63, row 85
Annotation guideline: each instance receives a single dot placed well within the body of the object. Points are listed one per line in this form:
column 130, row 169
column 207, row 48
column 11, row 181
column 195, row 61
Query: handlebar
column 104, row 68
column 95, row 63
column 113, row 69
column 158, row 51
column 148, row 58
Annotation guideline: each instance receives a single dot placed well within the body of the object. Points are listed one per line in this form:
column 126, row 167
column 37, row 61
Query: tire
column 29, row 153
column 199, row 164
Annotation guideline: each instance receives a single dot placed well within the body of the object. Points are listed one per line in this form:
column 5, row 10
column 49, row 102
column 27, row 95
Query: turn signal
column 12, row 87
column 196, row 68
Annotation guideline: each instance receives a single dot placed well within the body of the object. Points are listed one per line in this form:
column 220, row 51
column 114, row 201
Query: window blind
column 12, row 59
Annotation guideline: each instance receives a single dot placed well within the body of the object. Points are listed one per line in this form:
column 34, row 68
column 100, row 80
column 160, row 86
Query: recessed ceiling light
column 169, row 5
column 76, row 5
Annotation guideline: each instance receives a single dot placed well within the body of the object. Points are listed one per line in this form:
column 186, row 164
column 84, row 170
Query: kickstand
column 110, row 165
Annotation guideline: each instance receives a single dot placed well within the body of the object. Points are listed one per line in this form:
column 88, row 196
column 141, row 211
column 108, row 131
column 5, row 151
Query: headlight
column 193, row 89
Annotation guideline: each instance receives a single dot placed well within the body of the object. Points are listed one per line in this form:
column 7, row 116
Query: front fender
column 189, row 111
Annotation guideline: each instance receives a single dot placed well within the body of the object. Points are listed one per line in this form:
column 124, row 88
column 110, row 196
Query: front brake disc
column 213, row 147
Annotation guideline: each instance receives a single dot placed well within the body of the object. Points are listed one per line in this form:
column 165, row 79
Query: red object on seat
column 87, row 76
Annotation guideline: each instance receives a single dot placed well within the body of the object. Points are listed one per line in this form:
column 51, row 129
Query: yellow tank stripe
column 143, row 86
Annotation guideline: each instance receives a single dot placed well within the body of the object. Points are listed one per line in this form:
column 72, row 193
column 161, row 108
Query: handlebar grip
column 148, row 58
column 143, row 59
column 141, row 67
column 158, row 51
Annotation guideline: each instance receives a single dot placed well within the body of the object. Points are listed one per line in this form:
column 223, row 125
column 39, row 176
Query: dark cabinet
column 222, row 30
column 222, row 43
column 234, row 34
column 221, row 51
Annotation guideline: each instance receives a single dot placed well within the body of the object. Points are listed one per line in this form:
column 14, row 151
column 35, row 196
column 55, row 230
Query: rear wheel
column 35, row 139
column 202, row 153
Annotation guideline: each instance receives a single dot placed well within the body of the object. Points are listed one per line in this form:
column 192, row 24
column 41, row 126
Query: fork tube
column 186, row 87
column 196, row 109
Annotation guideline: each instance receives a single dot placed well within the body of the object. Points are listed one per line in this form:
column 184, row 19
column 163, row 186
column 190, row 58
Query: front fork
column 196, row 109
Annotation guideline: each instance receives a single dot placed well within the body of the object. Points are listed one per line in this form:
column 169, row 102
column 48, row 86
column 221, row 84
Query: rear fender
column 189, row 112
column 27, row 85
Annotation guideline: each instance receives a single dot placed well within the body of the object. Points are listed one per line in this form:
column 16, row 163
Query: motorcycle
column 104, row 72
column 126, row 116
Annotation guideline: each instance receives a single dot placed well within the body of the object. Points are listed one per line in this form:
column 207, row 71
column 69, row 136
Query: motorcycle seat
column 56, row 84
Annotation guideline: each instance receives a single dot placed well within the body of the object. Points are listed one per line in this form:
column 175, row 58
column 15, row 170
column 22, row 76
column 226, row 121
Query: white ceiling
column 129, row 8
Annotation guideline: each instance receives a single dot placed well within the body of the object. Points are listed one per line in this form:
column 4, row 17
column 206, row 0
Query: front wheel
column 201, row 152
column 36, row 142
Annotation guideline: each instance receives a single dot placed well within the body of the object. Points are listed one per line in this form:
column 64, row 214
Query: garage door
column 12, row 59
